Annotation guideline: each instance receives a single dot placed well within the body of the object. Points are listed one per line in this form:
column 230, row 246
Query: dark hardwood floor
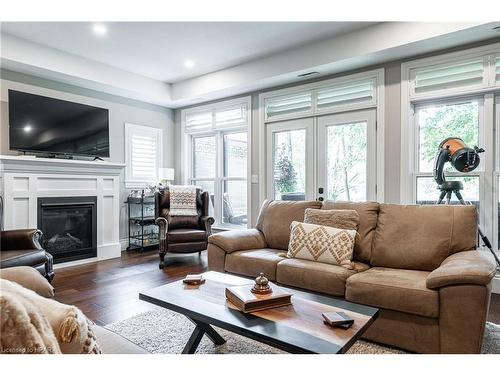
column 108, row 291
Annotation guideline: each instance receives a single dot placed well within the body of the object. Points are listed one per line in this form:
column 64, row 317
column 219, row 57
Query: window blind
column 143, row 157
column 231, row 117
column 198, row 121
column 344, row 95
column 450, row 75
column 293, row 103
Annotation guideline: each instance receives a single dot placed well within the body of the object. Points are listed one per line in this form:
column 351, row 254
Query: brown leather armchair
column 21, row 247
column 182, row 234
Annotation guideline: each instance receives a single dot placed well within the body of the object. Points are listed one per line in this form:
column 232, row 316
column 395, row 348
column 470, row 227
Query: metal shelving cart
column 142, row 230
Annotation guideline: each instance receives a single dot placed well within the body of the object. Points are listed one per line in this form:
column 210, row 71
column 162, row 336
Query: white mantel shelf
column 21, row 164
column 25, row 179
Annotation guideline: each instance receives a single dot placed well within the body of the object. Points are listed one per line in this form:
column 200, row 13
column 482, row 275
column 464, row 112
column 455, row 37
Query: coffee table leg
column 199, row 330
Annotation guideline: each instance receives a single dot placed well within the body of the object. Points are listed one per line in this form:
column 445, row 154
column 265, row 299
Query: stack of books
column 246, row 301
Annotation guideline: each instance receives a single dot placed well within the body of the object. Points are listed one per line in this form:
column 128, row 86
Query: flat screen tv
column 38, row 124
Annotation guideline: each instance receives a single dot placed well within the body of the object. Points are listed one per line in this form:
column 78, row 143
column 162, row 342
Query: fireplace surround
column 69, row 226
column 23, row 180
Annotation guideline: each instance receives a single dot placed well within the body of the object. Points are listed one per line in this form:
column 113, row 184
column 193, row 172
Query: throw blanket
column 182, row 200
column 31, row 323
column 24, row 330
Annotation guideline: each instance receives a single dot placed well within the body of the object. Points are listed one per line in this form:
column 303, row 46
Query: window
column 143, row 155
column 438, row 122
column 218, row 157
column 289, row 164
column 347, row 94
column 453, row 95
column 346, row 161
column 450, row 75
column 328, row 97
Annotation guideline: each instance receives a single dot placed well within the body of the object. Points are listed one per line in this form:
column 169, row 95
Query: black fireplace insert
column 69, row 226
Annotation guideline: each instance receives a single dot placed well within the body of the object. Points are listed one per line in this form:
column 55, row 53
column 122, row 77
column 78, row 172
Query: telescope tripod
column 453, row 187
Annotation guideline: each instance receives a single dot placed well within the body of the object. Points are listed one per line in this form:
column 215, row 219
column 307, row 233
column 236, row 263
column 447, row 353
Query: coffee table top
column 297, row 328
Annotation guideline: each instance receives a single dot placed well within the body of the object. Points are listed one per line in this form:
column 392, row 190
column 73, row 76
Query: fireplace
column 69, row 226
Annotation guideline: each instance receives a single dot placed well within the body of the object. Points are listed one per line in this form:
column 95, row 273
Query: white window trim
column 378, row 75
column 489, row 90
column 409, row 100
column 131, row 183
column 186, row 147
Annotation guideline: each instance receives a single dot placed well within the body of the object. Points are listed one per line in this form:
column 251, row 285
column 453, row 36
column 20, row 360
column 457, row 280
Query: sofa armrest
column 237, row 240
column 466, row 267
column 20, row 239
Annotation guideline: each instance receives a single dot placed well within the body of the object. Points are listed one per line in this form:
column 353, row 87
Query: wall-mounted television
column 39, row 124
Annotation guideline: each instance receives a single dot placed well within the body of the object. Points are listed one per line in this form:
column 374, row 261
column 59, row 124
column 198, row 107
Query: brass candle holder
column 261, row 285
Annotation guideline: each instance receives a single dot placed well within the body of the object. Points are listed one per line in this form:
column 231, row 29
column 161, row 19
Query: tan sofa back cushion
column 421, row 237
column 275, row 218
column 368, row 214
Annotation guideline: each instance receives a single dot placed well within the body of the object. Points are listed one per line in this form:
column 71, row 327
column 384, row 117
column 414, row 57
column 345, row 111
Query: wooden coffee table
column 297, row 328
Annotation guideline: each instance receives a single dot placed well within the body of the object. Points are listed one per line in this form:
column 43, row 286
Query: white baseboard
column 109, row 250
column 123, row 243
column 75, row 263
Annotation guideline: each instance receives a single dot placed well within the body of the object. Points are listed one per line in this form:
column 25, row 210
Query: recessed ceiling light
column 99, row 29
column 188, row 63
column 27, row 128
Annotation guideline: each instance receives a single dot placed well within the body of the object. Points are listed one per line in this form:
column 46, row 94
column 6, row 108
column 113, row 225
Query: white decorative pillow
column 321, row 243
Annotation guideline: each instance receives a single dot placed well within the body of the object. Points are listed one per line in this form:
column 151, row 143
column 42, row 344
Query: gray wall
column 121, row 110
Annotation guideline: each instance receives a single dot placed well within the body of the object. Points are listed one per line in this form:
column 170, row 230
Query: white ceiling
column 158, row 49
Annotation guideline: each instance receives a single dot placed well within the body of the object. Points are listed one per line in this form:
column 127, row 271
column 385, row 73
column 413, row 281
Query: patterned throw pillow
column 321, row 243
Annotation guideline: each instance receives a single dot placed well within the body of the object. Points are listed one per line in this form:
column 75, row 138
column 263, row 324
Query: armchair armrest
column 207, row 222
column 466, row 267
column 236, row 240
column 20, row 239
column 163, row 228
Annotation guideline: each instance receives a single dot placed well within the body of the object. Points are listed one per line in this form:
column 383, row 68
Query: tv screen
column 51, row 126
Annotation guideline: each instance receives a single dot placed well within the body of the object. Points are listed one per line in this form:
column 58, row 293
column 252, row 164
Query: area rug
column 164, row 331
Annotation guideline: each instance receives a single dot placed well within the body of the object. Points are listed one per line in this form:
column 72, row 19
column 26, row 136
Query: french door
column 290, row 167
column 324, row 157
column 347, row 156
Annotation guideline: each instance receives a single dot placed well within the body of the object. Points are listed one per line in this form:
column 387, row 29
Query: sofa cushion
column 421, row 237
column 342, row 219
column 275, row 218
column 321, row 244
column 30, row 278
column 394, row 289
column 186, row 235
column 368, row 215
column 315, row 276
column 253, row 262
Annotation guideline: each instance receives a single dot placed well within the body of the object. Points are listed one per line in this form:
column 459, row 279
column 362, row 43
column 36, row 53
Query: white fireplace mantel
column 24, row 179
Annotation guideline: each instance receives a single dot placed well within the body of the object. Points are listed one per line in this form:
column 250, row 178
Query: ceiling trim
column 373, row 45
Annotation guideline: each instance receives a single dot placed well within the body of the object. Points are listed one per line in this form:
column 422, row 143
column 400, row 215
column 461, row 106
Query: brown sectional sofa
column 418, row 264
